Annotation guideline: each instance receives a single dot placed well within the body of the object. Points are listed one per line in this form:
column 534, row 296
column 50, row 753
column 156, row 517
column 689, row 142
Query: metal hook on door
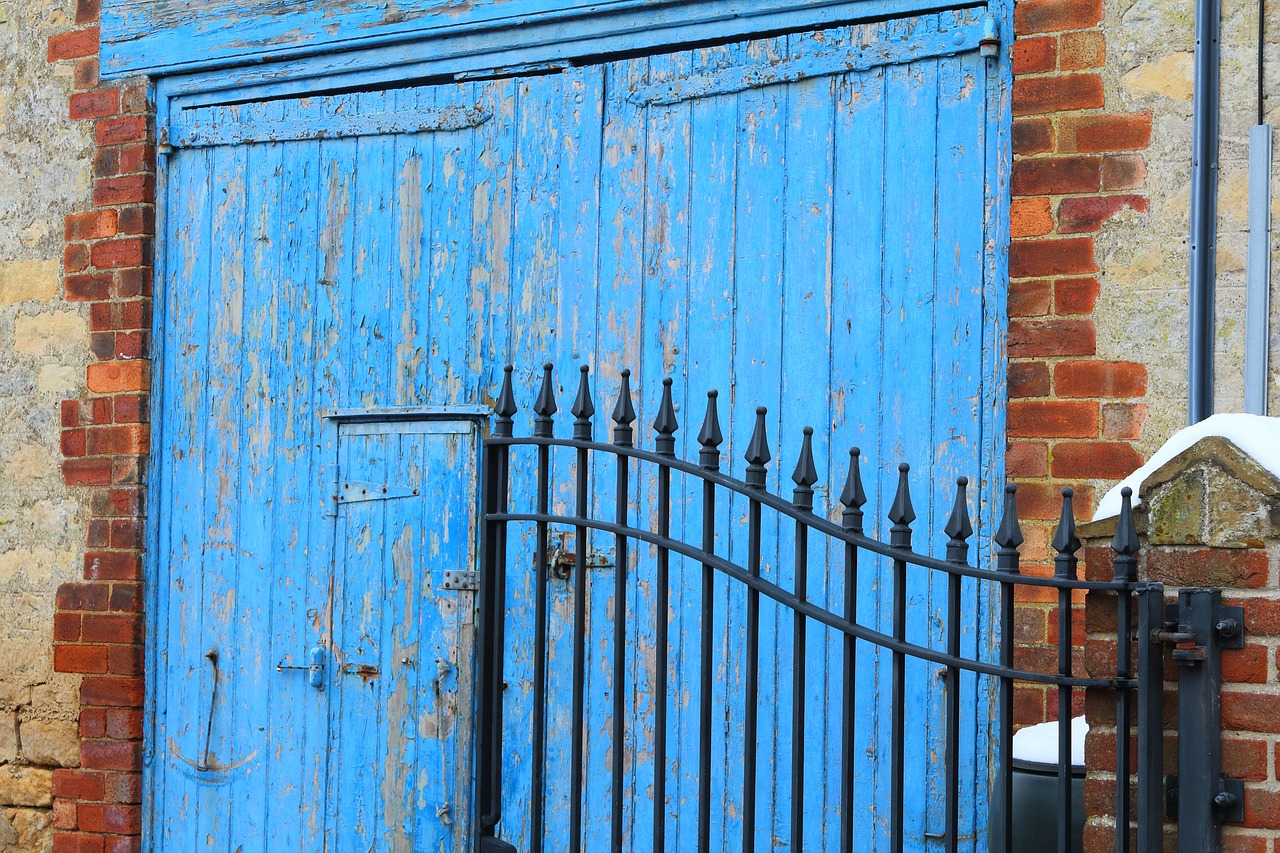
column 203, row 764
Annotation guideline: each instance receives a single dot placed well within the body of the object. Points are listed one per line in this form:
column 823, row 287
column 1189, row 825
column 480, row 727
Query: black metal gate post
column 1200, row 627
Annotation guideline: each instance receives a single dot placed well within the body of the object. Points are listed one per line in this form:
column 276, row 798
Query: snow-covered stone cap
column 1255, row 436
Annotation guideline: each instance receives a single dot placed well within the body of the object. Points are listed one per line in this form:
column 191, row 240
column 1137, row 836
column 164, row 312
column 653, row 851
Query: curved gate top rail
column 850, row 537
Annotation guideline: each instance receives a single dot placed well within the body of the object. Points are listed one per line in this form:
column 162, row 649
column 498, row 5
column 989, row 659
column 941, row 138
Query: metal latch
column 315, row 668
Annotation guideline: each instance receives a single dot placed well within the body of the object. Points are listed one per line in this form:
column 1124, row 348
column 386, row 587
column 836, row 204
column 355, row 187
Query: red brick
column 124, row 660
column 74, row 45
column 1123, row 421
column 1030, row 298
column 86, row 472
column 124, row 844
column 112, row 755
column 93, row 225
column 133, row 282
column 98, row 103
column 1099, row 379
column 1261, row 615
column 69, row 411
column 130, row 345
column 1249, row 665
column 87, row 287
column 125, row 534
column 75, row 842
column 126, row 470
column 1028, row 379
column 103, row 345
column 125, row 787
column 1244, row 759
column 1056, row 175
column 1033, row 55
column 138, row 220
column 1075, row 295
column 110, row 691
column 1066, row 256
column 1099, row 133
column 66, row 627
column 107, row 440
column 64, row 814
column 1124, row 172
column 1032, row 136
column 102, row 411
column 130, row 409
column 85, row 75
column 135, row 314
column 1109, row 460
column 124, row 723
column 88, row 11
column 103, row 316
column 1030, row 217
column 1208, row 567
column 82, row 596
column 1079, row 215
column 102, row 628
column 99, row 535
column 1080, row 50
column 1059, row 93
column 1250, row 712
column 1047, row 16
column 1043, row 501
column 75, row 257
column 110, row 818
column 73, row 442
column 112, row 565
column 93, row 723
column 126, row 189
column 125, row 252
column 134, row 100
column 1052, row 419
column 1027, row 459
column 121, row 131
column 79, row 659
column 106, row 163
column 111, row 377
column 1040, row 338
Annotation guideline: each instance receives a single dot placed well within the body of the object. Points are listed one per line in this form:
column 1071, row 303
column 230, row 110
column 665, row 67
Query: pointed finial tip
column 761, row 410
column 626, row 373
column 668, row 382
column 713, row 393
column 808, row 430
column 1126, row 492
column 584, row 369
column 1011, row 488
column 1068, row 492
column 510, row 368
column 855, row 452
column 904, row 467
column 962, row 481
column 546, row 365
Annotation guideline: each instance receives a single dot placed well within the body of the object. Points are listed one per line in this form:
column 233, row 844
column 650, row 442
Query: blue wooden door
column 805, row 221
column 400, row 739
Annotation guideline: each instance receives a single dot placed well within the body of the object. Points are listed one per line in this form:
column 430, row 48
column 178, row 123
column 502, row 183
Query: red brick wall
column 1073, row 418
column 98, row 623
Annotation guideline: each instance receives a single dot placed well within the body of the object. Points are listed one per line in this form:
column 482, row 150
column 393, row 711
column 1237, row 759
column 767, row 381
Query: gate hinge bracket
column 1228, row 802
column 354, row 491
column 460, row 580
column 989, row 44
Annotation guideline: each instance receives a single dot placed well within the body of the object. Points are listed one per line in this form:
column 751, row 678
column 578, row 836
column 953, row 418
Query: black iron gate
column 1198, row 627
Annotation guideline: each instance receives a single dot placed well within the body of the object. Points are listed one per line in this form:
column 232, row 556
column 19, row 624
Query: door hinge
column 989, row 44
column 460, row 580
column 355, row 491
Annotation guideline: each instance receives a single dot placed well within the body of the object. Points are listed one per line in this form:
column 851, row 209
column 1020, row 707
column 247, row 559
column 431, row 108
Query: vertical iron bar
column 1151, row 689
column 959, row 528
column 805, row 476
column 709, row 458
column 583, row 409
column 1124, row 717
column 666, row 425
column 543, row 427
column 1065, row 568
column 1150, row 721
column 854, row 498
column 623, row 415
column 1008, row 537
column 757, row 457
column 901, row 514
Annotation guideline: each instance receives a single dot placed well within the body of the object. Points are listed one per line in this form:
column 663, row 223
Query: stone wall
column 45, row 161
column 1144, row 261
column 1209, row 518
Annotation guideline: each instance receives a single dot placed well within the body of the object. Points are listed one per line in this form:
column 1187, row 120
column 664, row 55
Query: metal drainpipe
column 1204, row 210
column 1257, row 319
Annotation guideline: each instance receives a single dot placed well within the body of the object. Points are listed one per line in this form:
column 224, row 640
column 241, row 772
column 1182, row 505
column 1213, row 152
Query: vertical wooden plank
column 805, row 399
column 709, row 364
column 184, row 681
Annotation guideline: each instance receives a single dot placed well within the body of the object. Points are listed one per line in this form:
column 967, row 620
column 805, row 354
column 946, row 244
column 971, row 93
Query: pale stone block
column 49, row 330
column 51, row 743
column 8, row 736
column 29, row 462
column 1170, row 75
column 58, row 377
column 25, row 786
column 26, row 830
column 24, row 281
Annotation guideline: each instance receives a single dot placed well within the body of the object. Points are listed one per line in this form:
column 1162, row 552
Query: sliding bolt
column 1228, row 628
column 1224, row 800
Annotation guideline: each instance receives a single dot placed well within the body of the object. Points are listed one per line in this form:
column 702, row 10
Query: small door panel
column 401, row 705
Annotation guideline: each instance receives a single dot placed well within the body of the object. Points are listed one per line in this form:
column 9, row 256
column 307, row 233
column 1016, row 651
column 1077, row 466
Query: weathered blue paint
column 806, row 221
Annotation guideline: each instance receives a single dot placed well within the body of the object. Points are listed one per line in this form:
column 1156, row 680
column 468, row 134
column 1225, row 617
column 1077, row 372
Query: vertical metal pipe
column 1204, row 210
column 901, row 514
column 798, row 688
column 539, row 765
column 1064, row 722
column 959, row 529
column 705, row 663
column 1257, row 318
column 1150, row 721
column 854, row 498
column 1124, row 670
column 1008, row 537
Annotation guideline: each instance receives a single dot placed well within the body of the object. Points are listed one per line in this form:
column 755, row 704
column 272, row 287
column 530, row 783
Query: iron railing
column 995, row 666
